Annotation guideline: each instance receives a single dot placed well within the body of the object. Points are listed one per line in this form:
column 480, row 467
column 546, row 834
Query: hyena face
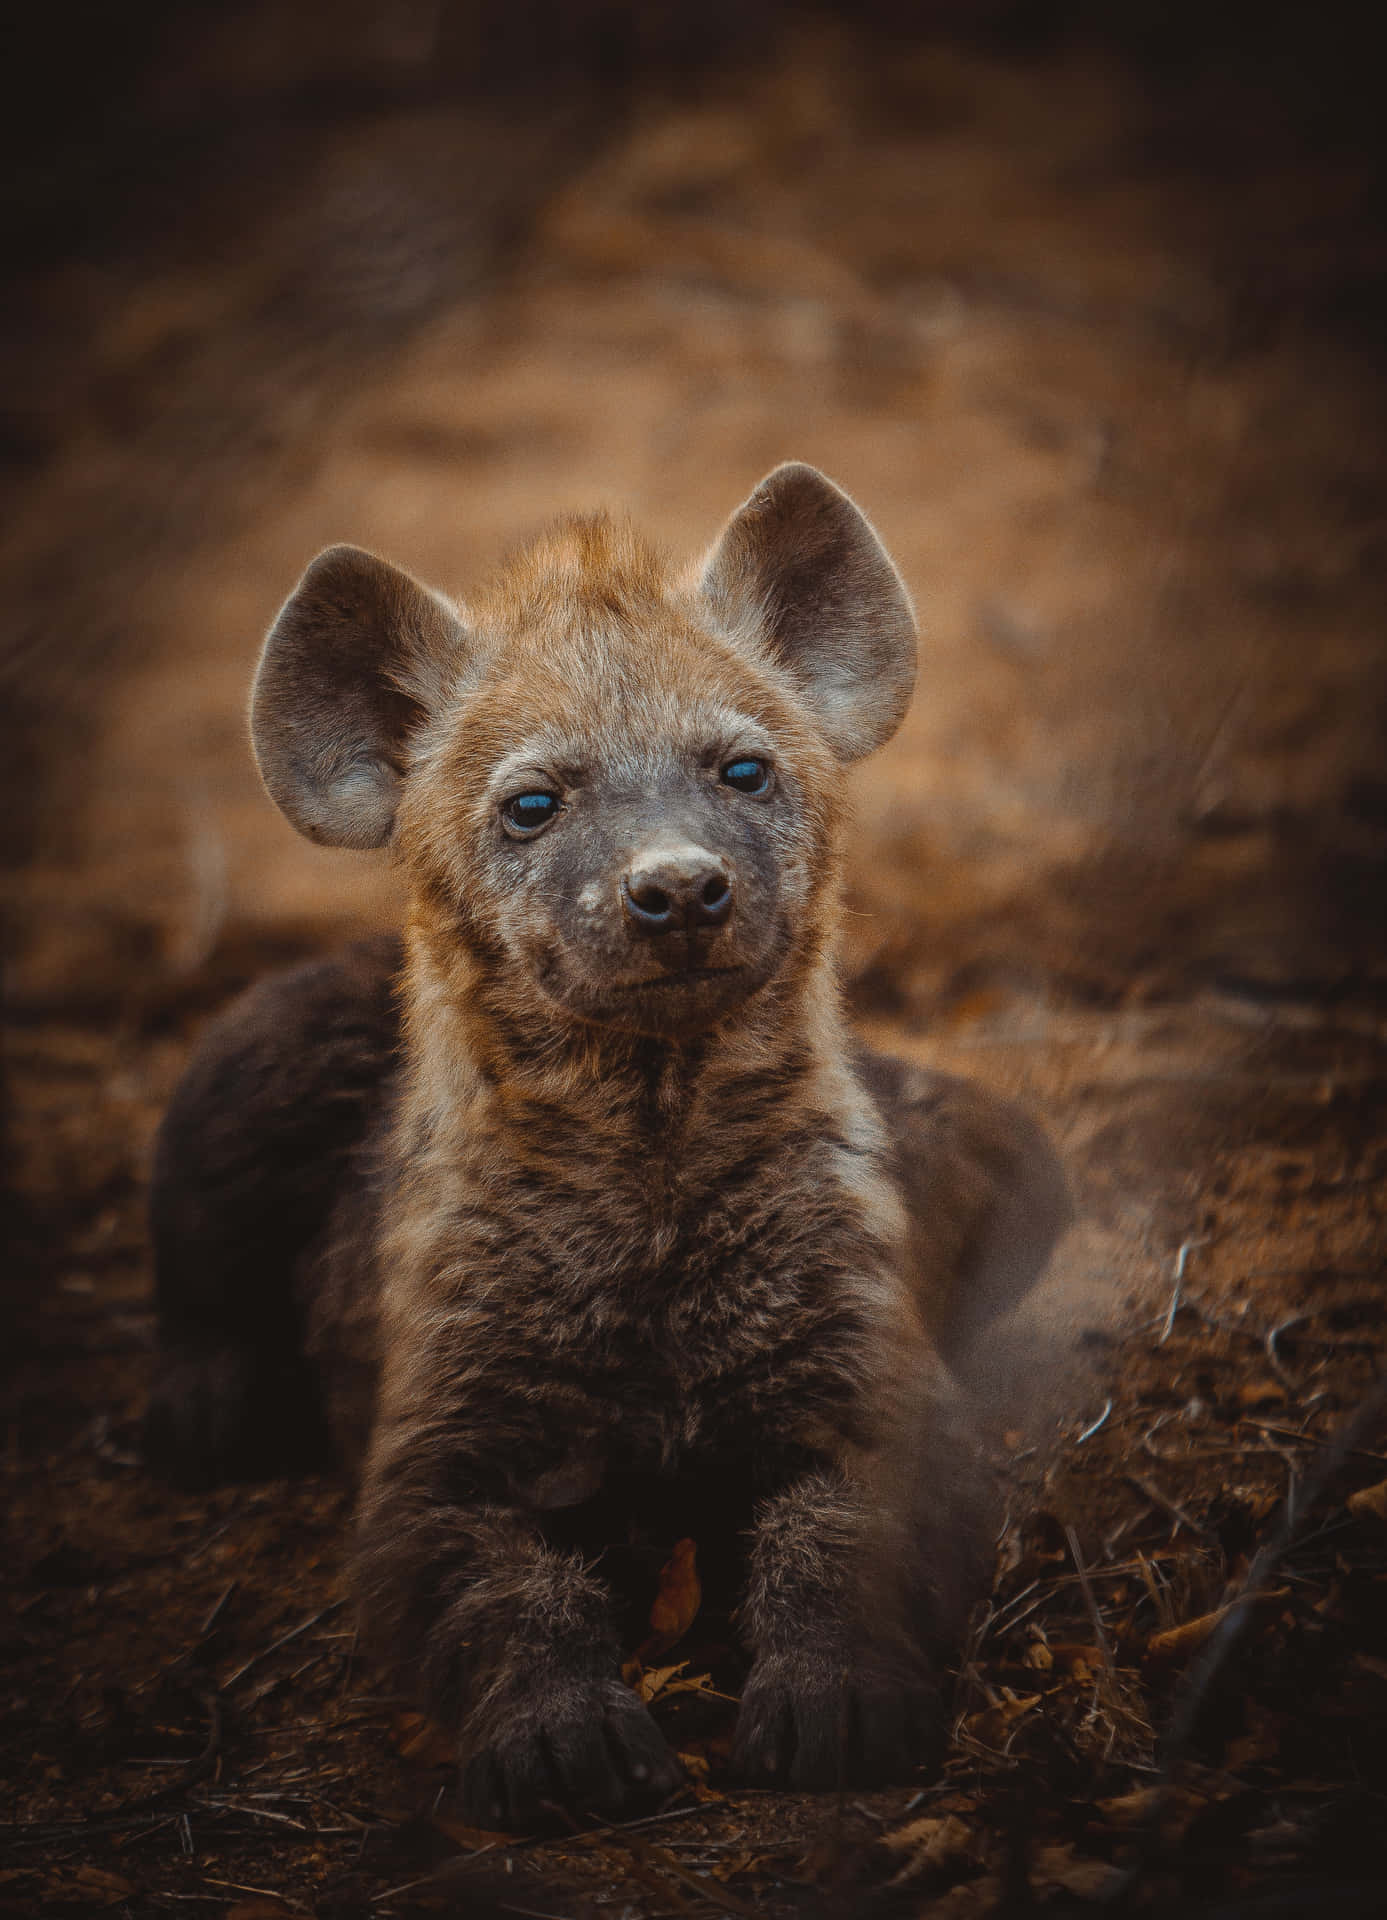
column 625, row 813
column 621, row 788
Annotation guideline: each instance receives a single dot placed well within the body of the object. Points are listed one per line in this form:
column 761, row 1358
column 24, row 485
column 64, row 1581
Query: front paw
column 819, row 1720
column 587, row 1745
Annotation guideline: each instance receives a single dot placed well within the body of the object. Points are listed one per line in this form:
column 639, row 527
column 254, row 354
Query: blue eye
column 747, row 776
column 527, row 812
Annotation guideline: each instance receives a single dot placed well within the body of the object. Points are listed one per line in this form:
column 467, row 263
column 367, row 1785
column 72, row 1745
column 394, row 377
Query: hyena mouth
column 680, row 979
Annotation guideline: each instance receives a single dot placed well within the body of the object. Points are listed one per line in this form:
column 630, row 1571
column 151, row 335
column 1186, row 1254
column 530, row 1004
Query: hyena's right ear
column 342, row 682
column 799, row 567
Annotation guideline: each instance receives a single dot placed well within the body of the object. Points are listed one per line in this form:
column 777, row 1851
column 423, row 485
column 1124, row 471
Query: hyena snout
column 676, row 889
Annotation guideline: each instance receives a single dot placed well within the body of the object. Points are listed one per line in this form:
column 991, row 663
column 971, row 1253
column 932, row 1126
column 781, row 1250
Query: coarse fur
column 580, row 1210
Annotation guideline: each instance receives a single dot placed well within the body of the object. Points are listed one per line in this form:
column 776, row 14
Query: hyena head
column 616, row 790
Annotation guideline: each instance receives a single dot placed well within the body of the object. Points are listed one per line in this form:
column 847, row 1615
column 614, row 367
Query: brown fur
column 629, row 1218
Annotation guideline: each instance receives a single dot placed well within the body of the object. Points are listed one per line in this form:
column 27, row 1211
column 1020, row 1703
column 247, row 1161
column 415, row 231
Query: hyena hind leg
column 252, row 1151
column 986, row 1196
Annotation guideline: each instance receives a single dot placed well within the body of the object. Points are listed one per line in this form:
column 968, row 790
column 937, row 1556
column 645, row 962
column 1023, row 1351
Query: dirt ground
column 1091, row 338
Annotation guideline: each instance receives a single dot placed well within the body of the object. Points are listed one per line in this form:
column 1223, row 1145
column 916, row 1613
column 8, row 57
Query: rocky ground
column 1090, row 341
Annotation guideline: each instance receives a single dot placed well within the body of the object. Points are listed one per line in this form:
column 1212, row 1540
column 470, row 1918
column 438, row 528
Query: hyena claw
column 592, row 1750
column 807, row 1724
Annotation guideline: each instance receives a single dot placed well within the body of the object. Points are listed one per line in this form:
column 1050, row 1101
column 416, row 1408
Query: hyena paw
column 590, row 1746
column 812, row 1721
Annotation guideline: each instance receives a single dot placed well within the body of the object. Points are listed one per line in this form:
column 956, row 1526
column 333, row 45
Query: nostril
column 651, row 900
column 715, row 899
column 648, row 907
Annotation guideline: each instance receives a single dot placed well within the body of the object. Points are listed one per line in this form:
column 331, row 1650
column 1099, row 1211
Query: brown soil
column 1090, row 354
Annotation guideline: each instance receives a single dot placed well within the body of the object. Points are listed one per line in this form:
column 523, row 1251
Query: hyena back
column 582, row 1201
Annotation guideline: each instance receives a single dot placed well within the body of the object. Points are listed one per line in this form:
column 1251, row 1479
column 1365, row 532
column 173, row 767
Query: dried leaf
column 1259, row 1393
column 1178, row 1643
column 676, row 1602
column 1077, row 1660
column 659, row 1682
column 1130, row 1809
column 990, row 1726
column 470, row 1839
column 978, row 1899
column 1062, row 1867
column 935, row 1843
column 422, row 1740
column 1370, row 1500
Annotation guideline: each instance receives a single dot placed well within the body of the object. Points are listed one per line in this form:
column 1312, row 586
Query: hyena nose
column 676, row 890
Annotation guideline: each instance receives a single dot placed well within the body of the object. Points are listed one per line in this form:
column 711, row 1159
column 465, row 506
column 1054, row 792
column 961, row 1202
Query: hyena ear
column 800, row 567
column 342, row 682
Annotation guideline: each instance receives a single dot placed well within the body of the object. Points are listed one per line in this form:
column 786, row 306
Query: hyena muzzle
column 578, row 1212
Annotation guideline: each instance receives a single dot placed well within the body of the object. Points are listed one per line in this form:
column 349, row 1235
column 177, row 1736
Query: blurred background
column 1083, row 304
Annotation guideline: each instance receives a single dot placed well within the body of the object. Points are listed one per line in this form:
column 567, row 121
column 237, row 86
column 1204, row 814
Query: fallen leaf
column 1064, row 1868
column 1371, row 1500
column 1130, row 1809
column 420, row 1739
column 470, row 1839
column 658, row 1682
column 654, row 1680
column 935, row 1843
column 677, row 1597
column 1077, row 1660
column 1260, row 1393
column 989, row 1727
column 1174, row 1805
column 1178, row 1643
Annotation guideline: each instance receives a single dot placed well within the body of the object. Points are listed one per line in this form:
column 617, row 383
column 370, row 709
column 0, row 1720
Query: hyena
column 579, row 1213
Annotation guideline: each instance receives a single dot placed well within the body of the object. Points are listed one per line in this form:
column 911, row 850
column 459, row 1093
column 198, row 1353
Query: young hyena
column 578, row 1219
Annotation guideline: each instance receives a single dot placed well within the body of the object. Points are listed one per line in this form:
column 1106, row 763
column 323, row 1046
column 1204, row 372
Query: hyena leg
column 985, row 1194
column 840, row 1693
column 514, row 1642
column 277, row 1099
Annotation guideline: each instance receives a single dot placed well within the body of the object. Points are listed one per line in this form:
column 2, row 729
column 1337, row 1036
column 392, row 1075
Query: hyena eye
column 747, row 776
column 526, row 813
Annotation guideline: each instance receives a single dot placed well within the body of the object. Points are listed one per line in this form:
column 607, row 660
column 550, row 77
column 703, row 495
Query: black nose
column 677, row 891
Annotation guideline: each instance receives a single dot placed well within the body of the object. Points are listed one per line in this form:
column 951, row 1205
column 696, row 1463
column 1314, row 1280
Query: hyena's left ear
column 345, row 677
column 800, row 567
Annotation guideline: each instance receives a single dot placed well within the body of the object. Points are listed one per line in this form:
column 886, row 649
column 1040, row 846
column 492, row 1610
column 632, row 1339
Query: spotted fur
column 616, row 1222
